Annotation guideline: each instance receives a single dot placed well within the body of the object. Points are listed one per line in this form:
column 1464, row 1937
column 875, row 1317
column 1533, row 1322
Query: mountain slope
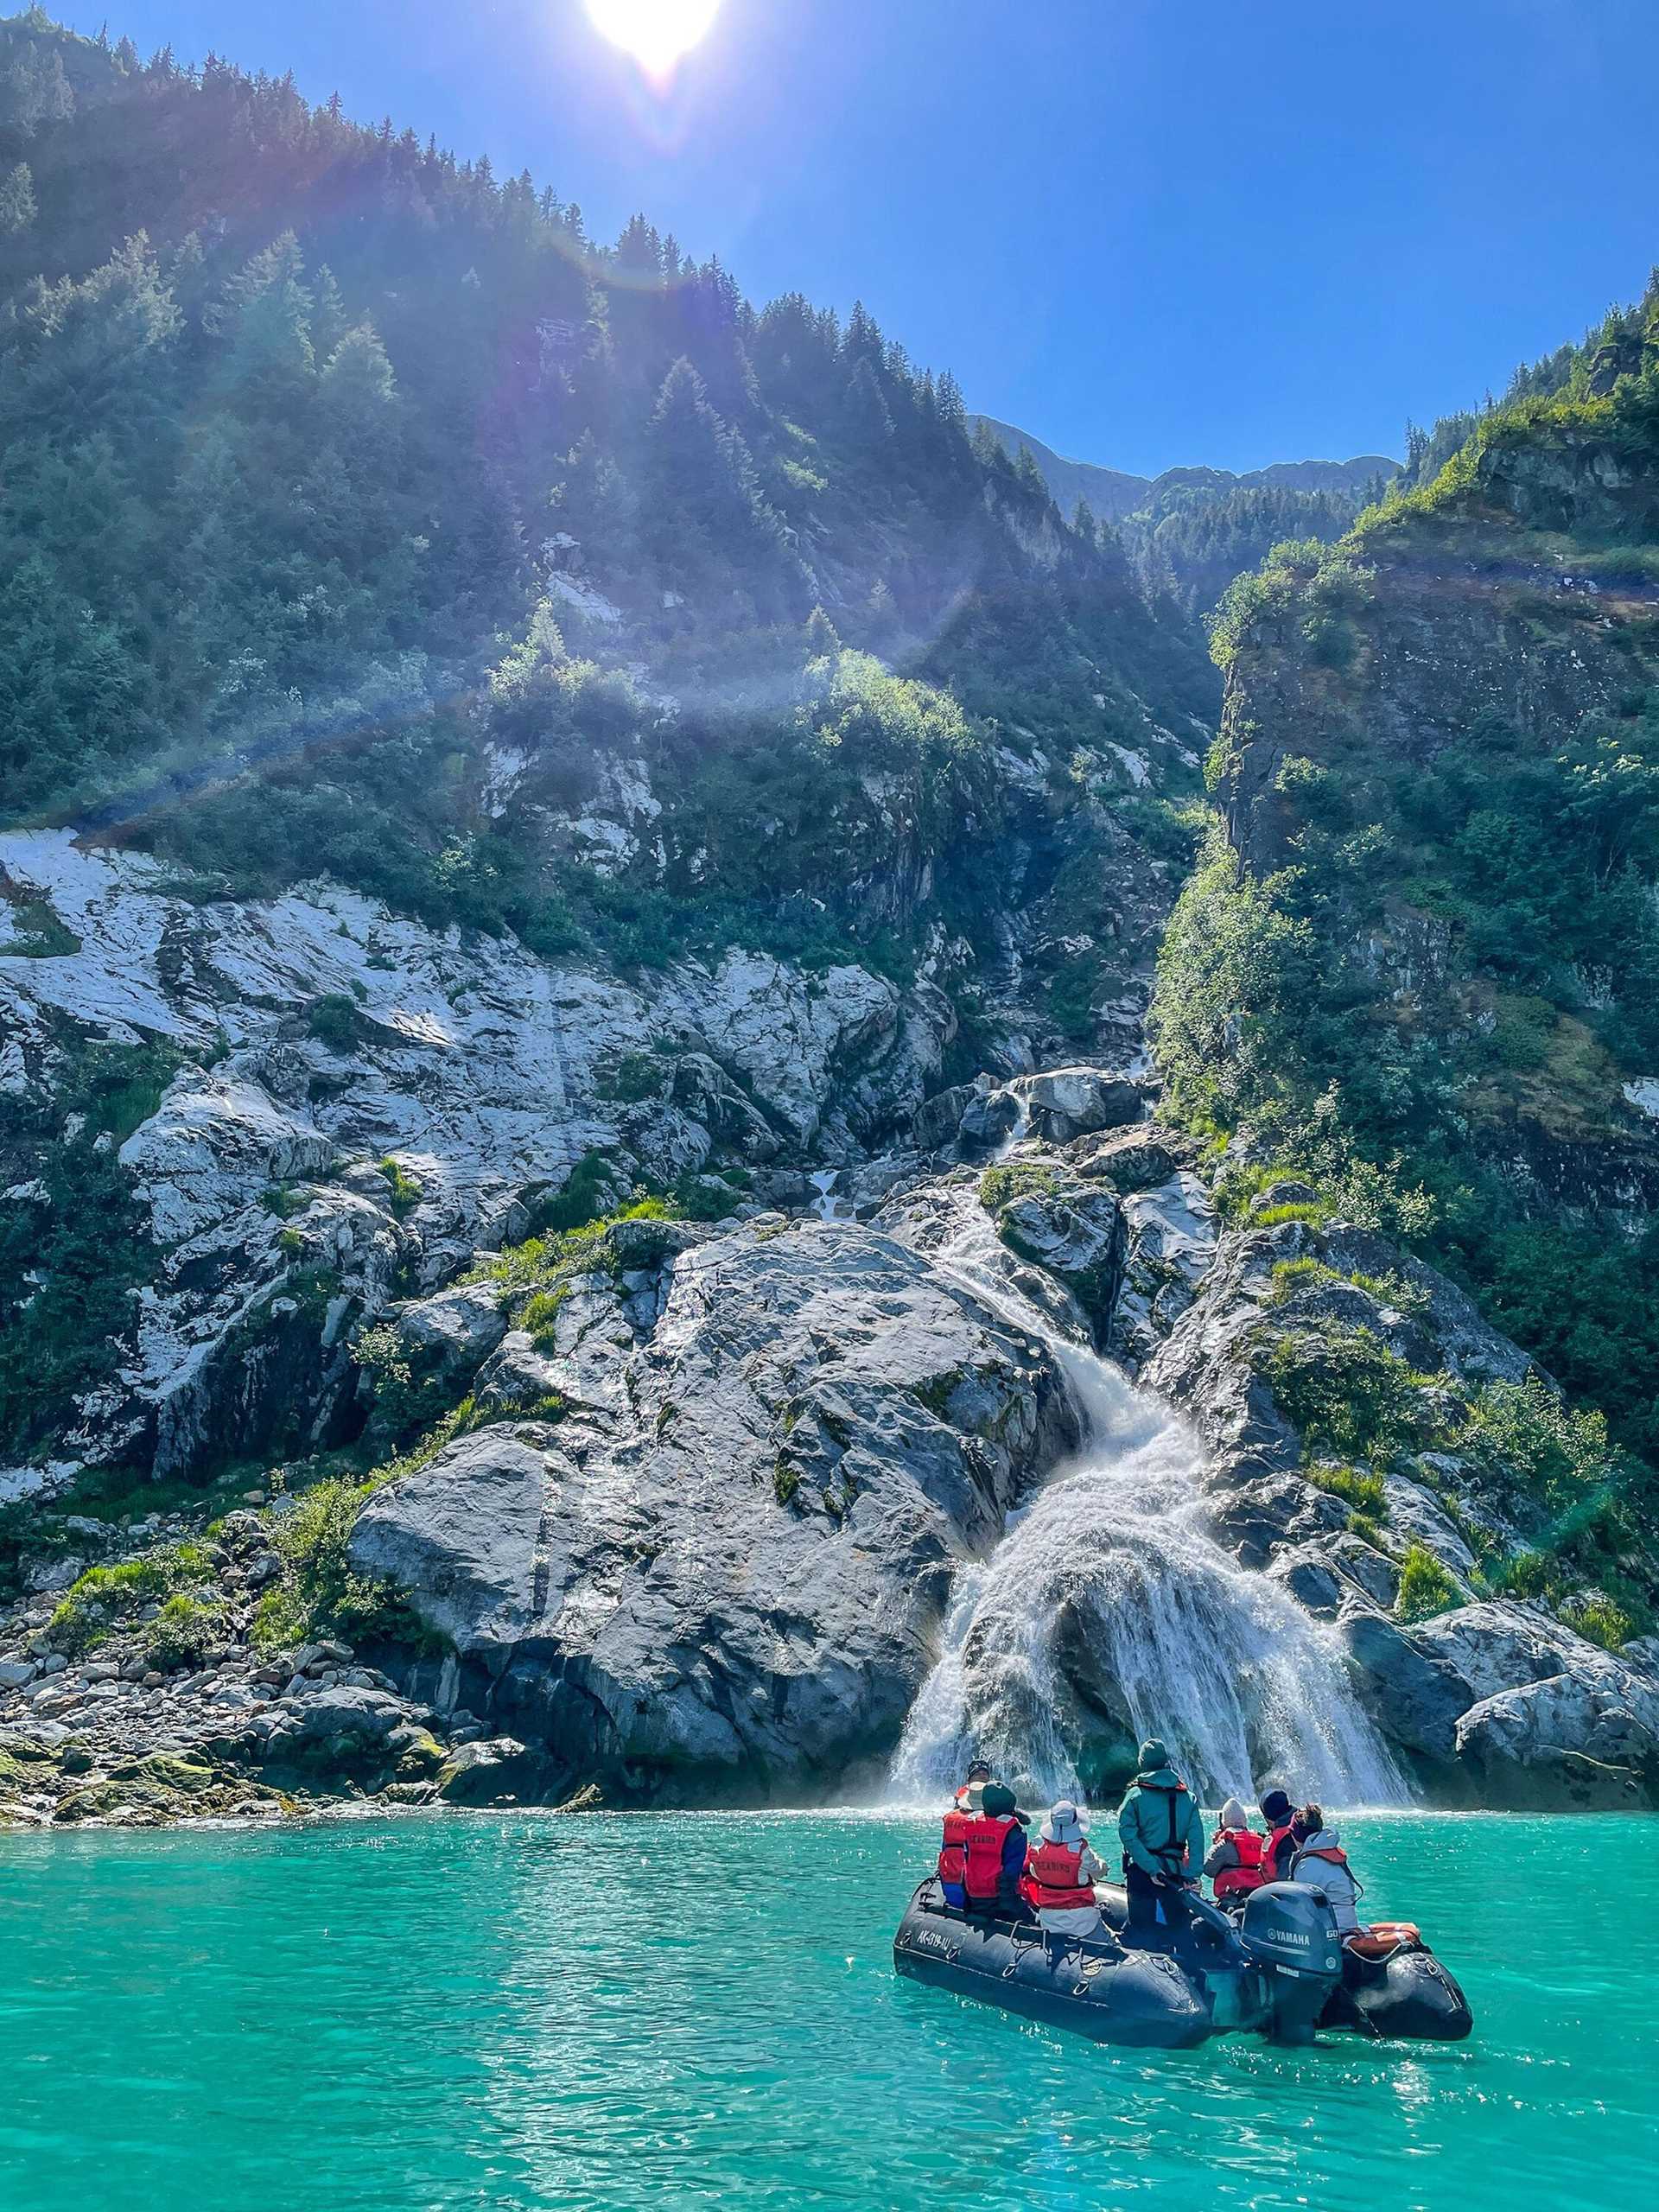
column 1418, row 972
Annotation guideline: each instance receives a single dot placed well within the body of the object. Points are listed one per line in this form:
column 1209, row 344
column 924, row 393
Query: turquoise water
column 521, row 2012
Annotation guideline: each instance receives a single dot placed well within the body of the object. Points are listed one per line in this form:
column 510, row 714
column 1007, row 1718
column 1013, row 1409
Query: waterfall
column 827, row 1205
column 1109, row 1609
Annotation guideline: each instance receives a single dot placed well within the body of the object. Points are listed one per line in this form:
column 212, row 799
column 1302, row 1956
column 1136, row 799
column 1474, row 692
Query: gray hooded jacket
column 1329, row 1875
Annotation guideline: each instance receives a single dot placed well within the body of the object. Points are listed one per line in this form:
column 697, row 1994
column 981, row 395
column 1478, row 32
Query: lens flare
column 658, row 34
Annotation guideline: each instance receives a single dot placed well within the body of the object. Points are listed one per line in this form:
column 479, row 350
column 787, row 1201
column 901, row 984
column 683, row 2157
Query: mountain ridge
column 1114, row 492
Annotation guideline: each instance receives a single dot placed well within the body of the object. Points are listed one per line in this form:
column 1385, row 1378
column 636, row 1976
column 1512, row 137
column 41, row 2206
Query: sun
column 656, row 32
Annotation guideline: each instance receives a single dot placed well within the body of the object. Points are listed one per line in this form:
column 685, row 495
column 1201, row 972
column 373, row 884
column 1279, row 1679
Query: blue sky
column 1145, row 232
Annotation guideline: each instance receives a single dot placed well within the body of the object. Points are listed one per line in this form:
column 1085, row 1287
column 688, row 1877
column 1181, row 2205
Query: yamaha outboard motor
column 1289, row 1933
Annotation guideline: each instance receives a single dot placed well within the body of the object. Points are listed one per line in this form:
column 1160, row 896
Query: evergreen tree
column 17, row 208
column 865, row 410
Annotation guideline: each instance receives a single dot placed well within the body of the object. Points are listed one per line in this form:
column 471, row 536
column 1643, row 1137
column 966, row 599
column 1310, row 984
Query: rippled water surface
column 662, row 2010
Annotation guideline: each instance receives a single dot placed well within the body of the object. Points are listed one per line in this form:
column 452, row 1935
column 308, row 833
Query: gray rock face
column 1497, row 1701
column 1169, row 1247
column 1527, row 1712
column 351, row 1035
column 727, row 1583
column 1588, row 1738
column 1205, row 1366
column 328, row 1723
column 1067, row 1102
column 1076, row 1234
column 1323, row 1571
column 1139, row 1157
column 450, row 1334
column 986, row 1121
column 937, row 1120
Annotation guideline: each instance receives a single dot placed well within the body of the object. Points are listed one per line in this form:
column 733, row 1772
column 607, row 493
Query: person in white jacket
column 1058, row 1882
column 1321, row 1862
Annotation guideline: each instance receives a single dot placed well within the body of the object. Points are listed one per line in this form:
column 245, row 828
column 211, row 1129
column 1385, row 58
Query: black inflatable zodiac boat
column 1279, row 1970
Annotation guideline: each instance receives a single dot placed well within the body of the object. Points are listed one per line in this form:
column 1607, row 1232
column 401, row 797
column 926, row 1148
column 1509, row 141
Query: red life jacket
column 1052, row 1881
column 953, row 1858
column 1238, row 1881
column 1276, row 1838
column 985, row 1837
column 1333, row 1852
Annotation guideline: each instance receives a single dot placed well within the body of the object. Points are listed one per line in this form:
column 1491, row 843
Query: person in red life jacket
column 953, row 1857
column 969, row 1797
column 1235, row 1863
column 1161, row 1830
column 1281, row 1846
column 1058, row 1882
column 994, row 1855
column 1322, row 1863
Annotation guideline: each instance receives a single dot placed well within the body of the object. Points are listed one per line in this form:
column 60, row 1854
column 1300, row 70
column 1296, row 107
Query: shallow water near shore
column 521, row 2010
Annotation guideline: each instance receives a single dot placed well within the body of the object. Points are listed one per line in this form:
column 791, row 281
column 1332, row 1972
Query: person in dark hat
column 1280, row 1849
column 1161, row 1830
column 994, row 1855
column 971, row 1794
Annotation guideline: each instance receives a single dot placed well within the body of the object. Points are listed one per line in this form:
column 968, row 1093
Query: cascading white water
column 1018, row 1133
column 827, row 1205
column 1110, row 1573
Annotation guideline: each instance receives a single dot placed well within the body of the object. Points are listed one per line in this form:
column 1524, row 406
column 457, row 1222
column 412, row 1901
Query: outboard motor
column 1289, row 1933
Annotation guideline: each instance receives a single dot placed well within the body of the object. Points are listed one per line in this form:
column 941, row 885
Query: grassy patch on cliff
column 105, row 1598
column 318, row 1592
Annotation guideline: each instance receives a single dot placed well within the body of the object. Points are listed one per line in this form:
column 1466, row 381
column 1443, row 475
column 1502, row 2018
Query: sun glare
column 658, row 34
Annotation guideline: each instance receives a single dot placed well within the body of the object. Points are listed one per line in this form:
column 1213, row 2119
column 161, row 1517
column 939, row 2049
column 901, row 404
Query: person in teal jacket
column 1161, row 1830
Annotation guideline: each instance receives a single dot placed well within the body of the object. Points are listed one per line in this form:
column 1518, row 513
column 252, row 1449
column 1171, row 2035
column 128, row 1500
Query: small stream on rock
column 1109, row 1612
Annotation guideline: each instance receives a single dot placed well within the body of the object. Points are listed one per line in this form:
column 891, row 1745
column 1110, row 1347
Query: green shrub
column 1536, row 1575
column 411, row 1390
column 1367, row 1493
column 185, row 1631
column 1350, row 1397
column 1368, row 1530
column 333, row 1021
column 406, row 1191
column 1314, row 1213
column 1602, row 1620
column 541, row 1316
column 38, row 934
column 635, row 1077
column 582, row 1197
column 319, row 1593
column 709, row 1197
column 1559, row 1457
column 1020, row 1179
column 549, row 1263
column 289, row 1244
column 71, row 1263
column 1072, row 995
column 1425, row 1588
